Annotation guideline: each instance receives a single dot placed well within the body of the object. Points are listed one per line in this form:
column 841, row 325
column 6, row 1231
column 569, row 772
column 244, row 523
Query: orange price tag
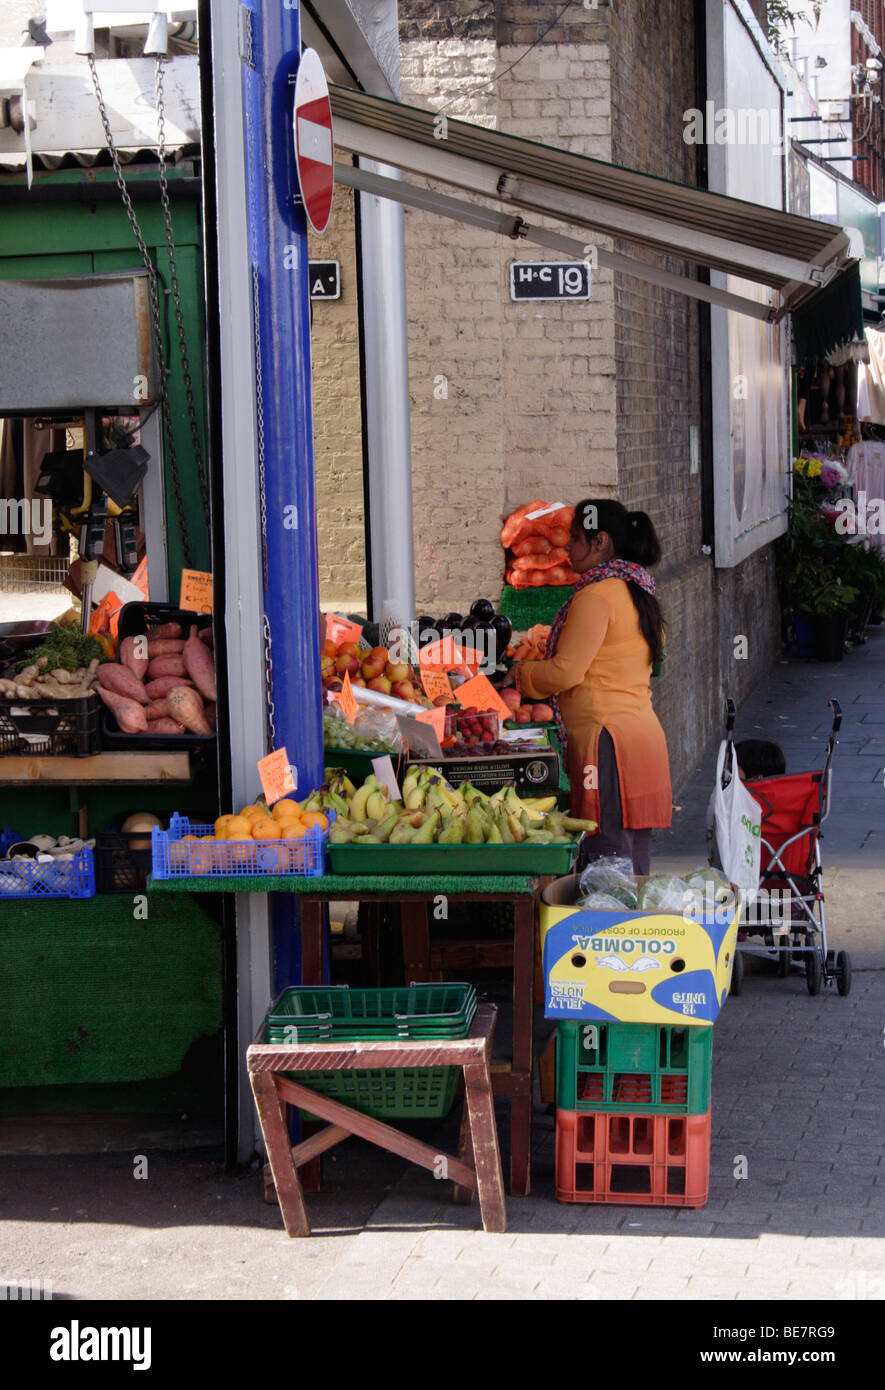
column 481, row 694
column 140, row 578
column 276, row 776
column 106, row 615
column 436, row 718
column 340, row 630
column 437, row 683
column 448, row 655
column 196, row 591
column 346, row 699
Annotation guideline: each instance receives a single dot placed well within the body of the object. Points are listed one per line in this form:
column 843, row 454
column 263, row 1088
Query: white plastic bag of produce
column 601, row 902
column 713, row 886
column 613, row 875
column 666, row 893
column 737, row 825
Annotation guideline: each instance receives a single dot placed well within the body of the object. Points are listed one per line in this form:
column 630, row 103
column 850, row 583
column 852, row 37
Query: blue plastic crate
column 26, row 879
column 174, row 857
column 7, row 839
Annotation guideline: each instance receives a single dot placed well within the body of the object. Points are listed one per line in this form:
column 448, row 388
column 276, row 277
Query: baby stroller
column 794, row 807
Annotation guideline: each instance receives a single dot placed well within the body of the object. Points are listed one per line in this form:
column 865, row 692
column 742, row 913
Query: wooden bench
column 477, row 1167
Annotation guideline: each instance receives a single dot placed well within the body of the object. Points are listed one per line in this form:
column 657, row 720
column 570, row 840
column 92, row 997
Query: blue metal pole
column 281, row 313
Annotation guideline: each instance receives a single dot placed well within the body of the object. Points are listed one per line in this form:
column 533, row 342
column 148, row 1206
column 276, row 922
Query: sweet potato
column 157, row 709
column 159, row 688
column 122, row 681
column 165, row 726
column 187, row 707
column 133, row 655
column 199, row 665
column 211, row 715
column 164, row 646
column 167, row 630
column 208, row 636
column 171, row 665
column 128, row 713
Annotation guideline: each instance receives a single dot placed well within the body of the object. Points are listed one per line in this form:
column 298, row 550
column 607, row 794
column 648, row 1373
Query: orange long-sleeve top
column 601, row 673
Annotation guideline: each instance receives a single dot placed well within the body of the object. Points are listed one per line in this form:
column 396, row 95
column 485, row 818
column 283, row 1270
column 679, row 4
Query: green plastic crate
column 526, row 607
column 452, row 859
column 405, row 1093
column 305, row 1013
column 640, row 1068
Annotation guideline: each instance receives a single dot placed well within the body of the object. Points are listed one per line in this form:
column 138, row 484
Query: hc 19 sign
column 549, row 280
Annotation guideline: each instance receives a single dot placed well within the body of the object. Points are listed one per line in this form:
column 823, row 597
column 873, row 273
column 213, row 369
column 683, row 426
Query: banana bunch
column 433, row 812
column 335, row 794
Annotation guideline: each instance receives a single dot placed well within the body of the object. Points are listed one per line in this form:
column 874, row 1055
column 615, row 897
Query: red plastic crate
column 632, row 1160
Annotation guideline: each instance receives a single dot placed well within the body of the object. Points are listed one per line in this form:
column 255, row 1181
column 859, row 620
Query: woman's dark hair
column 757, row 758
column 634, row 538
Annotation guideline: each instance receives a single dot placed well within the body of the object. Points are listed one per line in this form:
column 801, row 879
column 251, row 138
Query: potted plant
column 830, row 604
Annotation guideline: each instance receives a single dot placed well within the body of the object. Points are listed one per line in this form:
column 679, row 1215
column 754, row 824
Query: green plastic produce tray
column 406, row 1093
column 304, row 1013
column 452, row 859
column 641, row 1068
column 358, row 766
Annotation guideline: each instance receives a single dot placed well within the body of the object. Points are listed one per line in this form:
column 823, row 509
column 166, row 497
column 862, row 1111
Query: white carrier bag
column 737, row 826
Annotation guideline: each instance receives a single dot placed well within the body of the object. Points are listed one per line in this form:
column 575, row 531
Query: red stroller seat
column 789, row 804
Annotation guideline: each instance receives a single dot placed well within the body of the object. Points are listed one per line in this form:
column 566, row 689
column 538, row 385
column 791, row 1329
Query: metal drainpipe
column 281, row 312
column 385, row 365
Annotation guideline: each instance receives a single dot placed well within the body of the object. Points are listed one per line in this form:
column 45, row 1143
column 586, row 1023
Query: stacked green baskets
column 336, row 1014
column 633, row 1114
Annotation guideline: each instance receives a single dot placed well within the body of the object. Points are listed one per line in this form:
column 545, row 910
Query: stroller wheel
column 813, row 972
column 737, row 974
column 843, row 973
column 783, row 963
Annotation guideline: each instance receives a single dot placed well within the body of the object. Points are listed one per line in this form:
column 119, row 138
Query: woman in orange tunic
column 600, row 655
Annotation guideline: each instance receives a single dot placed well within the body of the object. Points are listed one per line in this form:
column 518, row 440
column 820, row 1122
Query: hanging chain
column 176, row 291
column 154, row 295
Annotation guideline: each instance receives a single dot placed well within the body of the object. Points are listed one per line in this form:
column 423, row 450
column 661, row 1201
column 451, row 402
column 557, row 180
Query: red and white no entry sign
column 314, row 155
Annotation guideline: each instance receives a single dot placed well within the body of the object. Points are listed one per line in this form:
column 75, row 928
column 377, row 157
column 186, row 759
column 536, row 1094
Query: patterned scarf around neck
column 610, row 569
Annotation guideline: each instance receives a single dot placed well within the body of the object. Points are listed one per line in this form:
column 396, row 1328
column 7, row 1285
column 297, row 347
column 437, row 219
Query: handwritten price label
column 346, row 699
column 481, row 694
column 340, row 630
column 436, row 718
column 437, row 683
column 196, row 591
column 276, row 776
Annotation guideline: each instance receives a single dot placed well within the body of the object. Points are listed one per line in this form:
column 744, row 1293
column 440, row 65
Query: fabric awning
column 796, row 256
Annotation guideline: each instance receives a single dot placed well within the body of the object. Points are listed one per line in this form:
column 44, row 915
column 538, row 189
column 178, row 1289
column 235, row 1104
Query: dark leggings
column 613, row 837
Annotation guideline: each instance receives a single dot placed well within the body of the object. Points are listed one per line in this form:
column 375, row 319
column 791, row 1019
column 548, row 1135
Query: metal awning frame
column 514, row 226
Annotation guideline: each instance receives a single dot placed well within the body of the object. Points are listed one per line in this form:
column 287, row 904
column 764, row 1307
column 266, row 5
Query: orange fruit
column 202, row 857
column 266, row 829
column 286, row 810
column 221, row 824
column 238, row 828
column 294, row 830
column 254, row 812
column 316, row 818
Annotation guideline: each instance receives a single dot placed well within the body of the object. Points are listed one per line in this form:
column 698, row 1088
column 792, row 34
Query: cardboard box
column 634, row 967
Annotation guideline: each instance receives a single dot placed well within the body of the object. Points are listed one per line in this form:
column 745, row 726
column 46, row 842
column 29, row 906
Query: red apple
column 381, row 684
column 373, row 666
column 329, row 649
column 404, row 690
column 334, row 685
column 511, row 697
column 523, row 715
column 347, row 663
column 358, row 680
column 441, row 701
column 380, row 654
column 349, row 649
column 397, row 671
column 542, row 714
column 327, row 665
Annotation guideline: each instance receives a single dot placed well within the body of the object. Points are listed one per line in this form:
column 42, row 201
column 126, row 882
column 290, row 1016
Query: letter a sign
column 312, row 130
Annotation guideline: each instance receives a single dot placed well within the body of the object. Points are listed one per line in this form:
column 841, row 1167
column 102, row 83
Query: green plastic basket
column 338, row 1013
column 416, row 1093
column 526, row 607
column 640, row 1068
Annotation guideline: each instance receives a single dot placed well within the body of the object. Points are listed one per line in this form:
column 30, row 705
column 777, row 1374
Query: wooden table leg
column 480, row 1104
column 272, row 1116
column 312, row 928
column 416, row 941
column 521, row 1068
column 464, row 1195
